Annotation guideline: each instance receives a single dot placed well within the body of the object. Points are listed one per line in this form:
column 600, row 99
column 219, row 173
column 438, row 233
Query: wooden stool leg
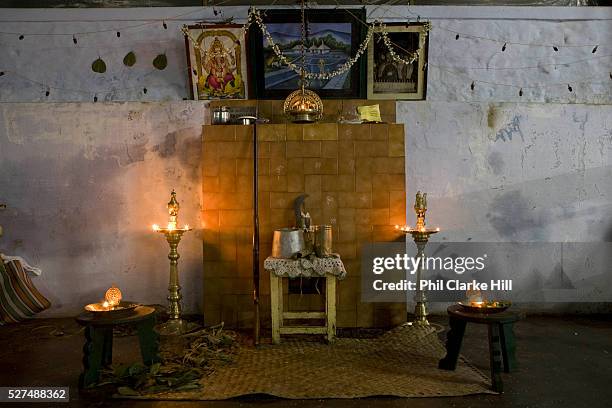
column 276, row 313
column 107, row 348
column 454, row 338
column 92, row 356
column 508, row 346
column 495, row 357
column 149, row 341
column 330, row 307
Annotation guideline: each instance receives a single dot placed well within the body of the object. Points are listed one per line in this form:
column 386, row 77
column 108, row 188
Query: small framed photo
column 390, row 79
column 217, row 61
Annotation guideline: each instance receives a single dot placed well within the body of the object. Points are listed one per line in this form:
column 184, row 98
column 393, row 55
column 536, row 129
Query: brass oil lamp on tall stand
column 420, row 234
column 173, row 234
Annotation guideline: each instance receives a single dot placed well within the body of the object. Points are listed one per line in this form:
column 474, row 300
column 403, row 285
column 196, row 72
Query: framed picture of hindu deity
column 217, row 61
column 392, row 79
column 332, row 37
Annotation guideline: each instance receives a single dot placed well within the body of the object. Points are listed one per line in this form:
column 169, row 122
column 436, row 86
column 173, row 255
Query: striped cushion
column 19, row 299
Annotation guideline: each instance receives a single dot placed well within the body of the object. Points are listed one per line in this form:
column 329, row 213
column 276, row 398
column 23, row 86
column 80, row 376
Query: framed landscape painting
column 217, row 62
column 332, row 37
column 389, row 79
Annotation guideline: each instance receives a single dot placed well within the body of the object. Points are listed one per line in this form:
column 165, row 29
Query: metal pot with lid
column 221, row 115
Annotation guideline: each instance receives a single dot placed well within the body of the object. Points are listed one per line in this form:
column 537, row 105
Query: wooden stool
column 98, row 348
column 501, row 340
column 278, row 316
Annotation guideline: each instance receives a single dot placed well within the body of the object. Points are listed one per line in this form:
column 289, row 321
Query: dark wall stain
column 168, row 147
column 514, row 217
column 608, row 234
column 186, row 146
column 558, row 279
column 496, row 162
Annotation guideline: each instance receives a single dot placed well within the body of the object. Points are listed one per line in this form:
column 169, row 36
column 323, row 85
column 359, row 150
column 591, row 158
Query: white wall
column 84, row 181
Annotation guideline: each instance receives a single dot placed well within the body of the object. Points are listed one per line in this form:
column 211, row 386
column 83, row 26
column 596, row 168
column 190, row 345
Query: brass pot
column 323, row 240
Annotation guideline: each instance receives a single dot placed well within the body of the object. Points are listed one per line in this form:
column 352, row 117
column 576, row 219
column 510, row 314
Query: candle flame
column 105, row 304
column 155, row 227
column 186, row 226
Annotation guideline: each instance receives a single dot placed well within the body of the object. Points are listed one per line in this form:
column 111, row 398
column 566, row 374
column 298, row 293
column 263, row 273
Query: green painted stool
column 98, row 348
column 501, row 340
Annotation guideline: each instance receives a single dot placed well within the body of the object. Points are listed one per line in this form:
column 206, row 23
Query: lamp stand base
column 175, row 327
column 420, row 315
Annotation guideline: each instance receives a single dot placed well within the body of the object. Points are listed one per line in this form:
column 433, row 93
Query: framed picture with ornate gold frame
column 217, row 61
column 389, row 79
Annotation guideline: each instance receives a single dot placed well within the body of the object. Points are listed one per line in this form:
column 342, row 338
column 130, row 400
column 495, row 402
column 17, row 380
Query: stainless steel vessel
column 247, row 120
column 287, row 242
column 221, row 115
column 323, row 240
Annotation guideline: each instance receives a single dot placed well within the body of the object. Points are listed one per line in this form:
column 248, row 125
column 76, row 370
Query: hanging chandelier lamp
column 303, row 105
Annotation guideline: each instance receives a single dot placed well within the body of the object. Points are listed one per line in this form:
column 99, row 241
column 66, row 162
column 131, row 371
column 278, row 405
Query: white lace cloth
column 306, row 267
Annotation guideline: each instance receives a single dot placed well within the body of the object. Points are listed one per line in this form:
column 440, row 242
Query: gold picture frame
column 217, row 61
column 388, row 79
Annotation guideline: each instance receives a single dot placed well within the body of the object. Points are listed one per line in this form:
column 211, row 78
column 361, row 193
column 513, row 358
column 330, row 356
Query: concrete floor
column 564, row 362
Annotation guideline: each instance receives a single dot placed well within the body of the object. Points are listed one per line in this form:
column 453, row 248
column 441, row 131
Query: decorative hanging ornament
column 130, row 59
column 160, row 62
column 98, row 66
column 303, row 105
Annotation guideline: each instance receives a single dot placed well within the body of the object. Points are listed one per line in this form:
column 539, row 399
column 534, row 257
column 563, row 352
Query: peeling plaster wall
column 500, row 167
column 84, row 183
column 516, row 173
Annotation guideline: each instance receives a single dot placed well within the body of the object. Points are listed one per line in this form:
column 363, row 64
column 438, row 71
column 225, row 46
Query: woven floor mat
column 403, row 362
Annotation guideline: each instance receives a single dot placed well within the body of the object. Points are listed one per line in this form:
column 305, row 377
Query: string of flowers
column 412, row 56
column 307, row 74
column 254, row 16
